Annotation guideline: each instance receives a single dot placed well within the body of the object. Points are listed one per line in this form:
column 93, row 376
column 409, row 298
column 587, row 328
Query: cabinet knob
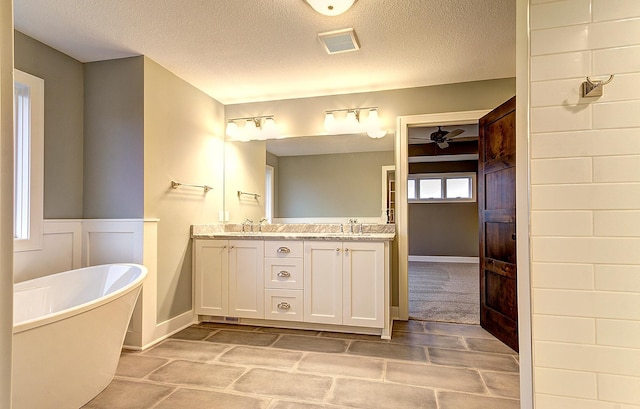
column 284, row 250
column 232, row 247
column 346, row 250
column 338, row 250
column 284, row 274
column 284, row 305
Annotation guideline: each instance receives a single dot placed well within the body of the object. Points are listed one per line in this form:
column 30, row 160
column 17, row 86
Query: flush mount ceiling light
column 253, row 128
column 330, row 7
column 340, row 41
column 353, row 121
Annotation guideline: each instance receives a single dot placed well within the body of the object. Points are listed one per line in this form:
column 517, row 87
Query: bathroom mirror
column 314, row 178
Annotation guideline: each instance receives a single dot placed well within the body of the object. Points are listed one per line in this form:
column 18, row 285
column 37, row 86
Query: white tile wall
column 565, row 329
column 565, row 276
column 585, row 143
column 569, row 170
column 615, row 9
column 585, row 204
column 555, row 66
column 618, row 333
column 566, row 383
column 565, row 223
column 616, row 60
column 617, row 278
column 617, row 223
column 624, row 389
column 561, row 402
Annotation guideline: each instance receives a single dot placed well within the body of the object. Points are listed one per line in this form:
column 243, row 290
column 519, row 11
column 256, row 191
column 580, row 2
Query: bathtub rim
column 80, row 308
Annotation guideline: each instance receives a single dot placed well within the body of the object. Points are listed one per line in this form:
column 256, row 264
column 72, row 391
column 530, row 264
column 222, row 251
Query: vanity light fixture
column 353, row 122
column 252, row 128
column 330, row 7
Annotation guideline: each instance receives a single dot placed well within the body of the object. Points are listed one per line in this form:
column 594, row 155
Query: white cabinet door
column 323, row 282
column 246, row 278
column 211, row 265
column 363, row 284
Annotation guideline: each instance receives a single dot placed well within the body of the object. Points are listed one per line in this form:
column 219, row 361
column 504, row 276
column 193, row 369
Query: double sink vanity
column 333, row 277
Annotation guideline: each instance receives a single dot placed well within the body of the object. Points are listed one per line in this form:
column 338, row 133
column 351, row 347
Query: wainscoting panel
column 61, row 251
column 112, row 241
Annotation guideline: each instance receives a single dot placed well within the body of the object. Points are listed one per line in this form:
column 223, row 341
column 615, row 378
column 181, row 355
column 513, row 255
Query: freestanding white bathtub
column 68, row 331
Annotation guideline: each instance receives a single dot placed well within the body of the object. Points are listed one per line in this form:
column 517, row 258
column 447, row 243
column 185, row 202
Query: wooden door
column 497, row 218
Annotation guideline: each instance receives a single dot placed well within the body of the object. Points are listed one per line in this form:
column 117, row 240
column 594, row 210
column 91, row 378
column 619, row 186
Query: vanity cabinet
column 229, row 278
column 313, row 284
column 344, row 283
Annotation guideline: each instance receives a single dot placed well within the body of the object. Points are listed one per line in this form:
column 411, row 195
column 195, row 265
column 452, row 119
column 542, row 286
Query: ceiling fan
column 442, row 138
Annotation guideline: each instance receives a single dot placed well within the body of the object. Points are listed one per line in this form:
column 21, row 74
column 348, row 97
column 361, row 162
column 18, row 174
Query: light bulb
column 376, row 133
column 331, row 7
column 269, row 128
column 250, row 129
column 232, row 129
column 329, row 122
column 373, row 120
column 351, row 122
column 373, row 125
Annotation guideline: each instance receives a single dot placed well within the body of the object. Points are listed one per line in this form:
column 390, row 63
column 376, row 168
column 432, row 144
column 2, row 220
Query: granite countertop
column 369, row 232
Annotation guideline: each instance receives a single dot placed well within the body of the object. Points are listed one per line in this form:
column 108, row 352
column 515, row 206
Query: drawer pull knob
column 284, row 306
column 284, row 250
column 284, row 274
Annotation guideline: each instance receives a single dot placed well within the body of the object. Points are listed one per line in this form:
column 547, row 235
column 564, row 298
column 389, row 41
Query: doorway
column 402, row 166
column 524, row 299
column 443, row 223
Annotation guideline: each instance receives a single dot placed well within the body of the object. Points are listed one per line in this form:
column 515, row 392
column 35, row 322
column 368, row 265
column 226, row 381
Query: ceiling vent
column 340, row 41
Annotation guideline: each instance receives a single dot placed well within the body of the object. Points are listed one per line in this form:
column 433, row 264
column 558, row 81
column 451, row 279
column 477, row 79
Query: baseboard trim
column 445, row 259
column 166, row 329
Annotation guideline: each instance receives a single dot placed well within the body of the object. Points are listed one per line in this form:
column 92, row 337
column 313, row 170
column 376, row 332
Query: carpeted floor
column 444, row 292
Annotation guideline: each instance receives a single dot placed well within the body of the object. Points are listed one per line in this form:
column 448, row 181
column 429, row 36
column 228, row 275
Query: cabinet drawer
column 284, row 273
column 283, row 248
column 283, row 305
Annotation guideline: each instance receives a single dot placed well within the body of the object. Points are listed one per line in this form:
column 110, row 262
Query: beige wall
column 585, row 205
column 183, row 141
column 443, row 229
column 63, row 124
column 305, row 116
column 113, row 139
column 6, row 200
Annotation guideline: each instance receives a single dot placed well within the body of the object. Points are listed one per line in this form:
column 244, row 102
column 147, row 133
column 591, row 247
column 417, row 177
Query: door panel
column 246, row 278
column 323, row 282
column 497, row 210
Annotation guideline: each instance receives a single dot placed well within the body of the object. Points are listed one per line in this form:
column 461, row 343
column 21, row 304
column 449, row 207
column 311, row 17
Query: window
column 269, row 194
column 28, row 161
column 445, row 187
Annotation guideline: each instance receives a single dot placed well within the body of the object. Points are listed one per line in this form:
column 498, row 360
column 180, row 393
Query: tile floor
column 425, row 365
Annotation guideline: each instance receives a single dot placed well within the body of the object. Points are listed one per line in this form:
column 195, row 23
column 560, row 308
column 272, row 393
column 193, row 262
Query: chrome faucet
column 352, row 222
column 245, row 223
column 263, row 221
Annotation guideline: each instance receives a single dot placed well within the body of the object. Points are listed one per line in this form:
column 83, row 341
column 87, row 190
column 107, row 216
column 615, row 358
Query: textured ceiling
column 259, row 50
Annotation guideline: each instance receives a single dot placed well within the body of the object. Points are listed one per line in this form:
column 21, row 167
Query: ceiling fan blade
column 454, row 133
column 443, row 145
